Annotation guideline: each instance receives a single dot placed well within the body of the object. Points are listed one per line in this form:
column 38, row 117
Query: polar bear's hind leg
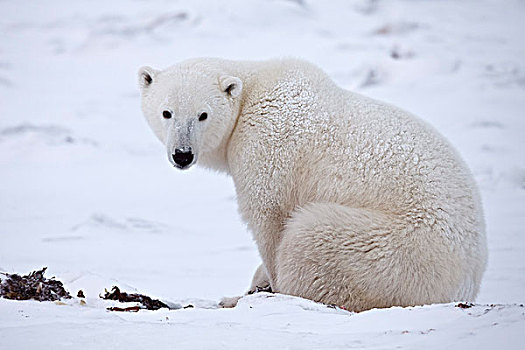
column 361, row 259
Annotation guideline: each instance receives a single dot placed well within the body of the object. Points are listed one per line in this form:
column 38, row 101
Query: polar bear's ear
column 146, row 76
column 231, row 85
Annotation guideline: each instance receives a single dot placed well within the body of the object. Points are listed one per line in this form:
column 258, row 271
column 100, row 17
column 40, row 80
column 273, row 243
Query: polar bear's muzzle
column 183, row 157
column 181, row 144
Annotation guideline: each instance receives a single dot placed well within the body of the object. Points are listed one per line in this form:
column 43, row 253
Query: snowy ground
column 86, row 190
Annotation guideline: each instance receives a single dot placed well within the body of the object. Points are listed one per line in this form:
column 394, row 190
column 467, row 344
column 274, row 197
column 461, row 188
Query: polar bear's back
column 372, row 146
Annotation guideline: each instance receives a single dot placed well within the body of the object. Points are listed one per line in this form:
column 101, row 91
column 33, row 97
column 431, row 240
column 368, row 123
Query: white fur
column 351, row 201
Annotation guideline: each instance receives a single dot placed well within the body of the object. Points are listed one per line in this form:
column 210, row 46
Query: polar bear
column 351, row 201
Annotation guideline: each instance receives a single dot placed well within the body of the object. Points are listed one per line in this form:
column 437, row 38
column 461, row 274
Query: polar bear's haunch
column 351, row 201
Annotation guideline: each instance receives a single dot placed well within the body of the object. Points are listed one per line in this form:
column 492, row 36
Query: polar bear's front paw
column 228, row 302
column 257, row 289
column 260, row 281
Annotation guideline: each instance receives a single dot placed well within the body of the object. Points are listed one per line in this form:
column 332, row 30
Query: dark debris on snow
column 123, row 297
column 32, row 286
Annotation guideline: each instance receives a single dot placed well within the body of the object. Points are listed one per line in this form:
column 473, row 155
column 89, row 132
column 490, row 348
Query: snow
column 263, row 321
column 86, row 189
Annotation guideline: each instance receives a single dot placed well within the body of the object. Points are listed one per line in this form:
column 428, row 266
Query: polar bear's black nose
column 183, row 156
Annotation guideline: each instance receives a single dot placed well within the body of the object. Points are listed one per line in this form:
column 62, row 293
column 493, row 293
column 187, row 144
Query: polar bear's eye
column 166, row 114
column 203, row 116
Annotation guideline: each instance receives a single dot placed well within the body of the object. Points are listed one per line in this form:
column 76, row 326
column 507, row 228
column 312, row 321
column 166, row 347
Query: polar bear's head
column 191, row 107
